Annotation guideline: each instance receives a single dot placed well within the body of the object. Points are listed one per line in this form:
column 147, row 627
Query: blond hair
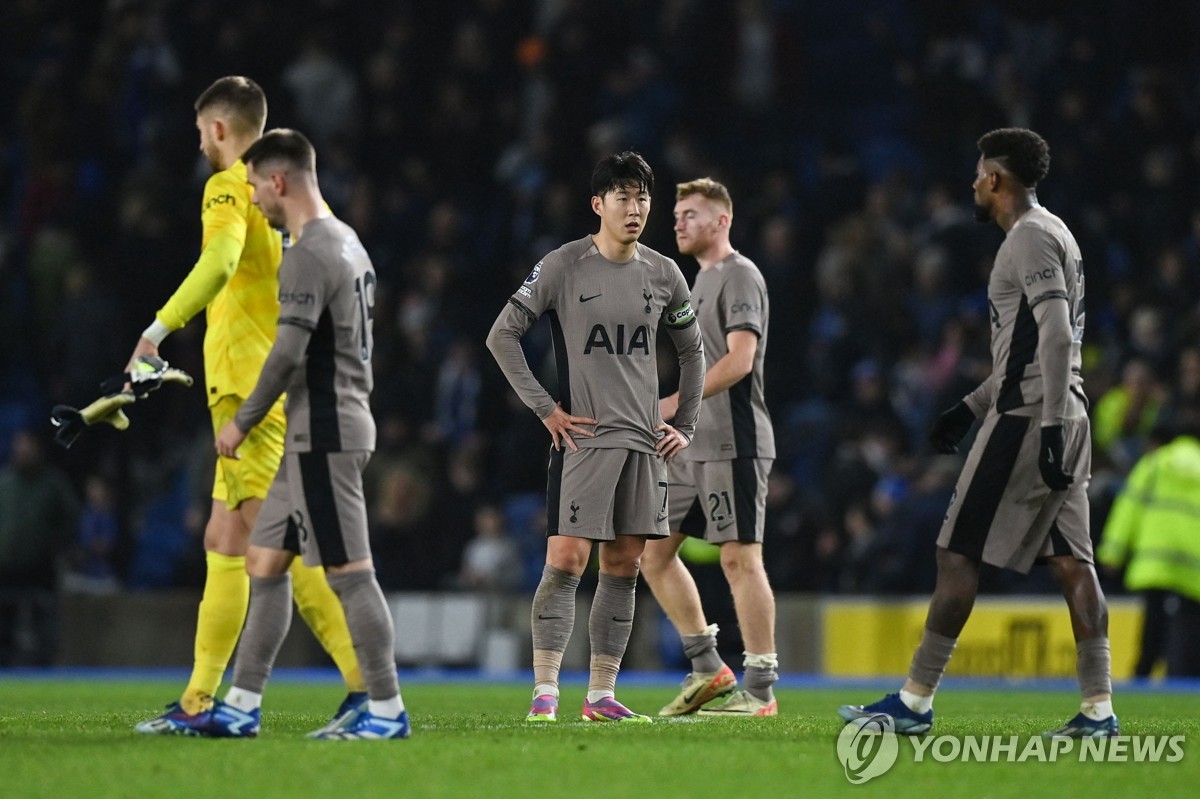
column 708, row 189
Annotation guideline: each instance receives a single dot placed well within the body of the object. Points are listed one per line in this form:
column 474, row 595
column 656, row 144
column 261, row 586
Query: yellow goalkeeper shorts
column 250, row 475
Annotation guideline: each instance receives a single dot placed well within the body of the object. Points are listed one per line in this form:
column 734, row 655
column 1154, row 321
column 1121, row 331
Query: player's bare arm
column 668, row 406
column 732, row 367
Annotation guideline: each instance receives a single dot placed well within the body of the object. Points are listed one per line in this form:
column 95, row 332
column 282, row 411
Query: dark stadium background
column 458, row 138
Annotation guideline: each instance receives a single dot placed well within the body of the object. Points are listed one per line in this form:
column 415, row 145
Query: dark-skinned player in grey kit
column 1022, row 494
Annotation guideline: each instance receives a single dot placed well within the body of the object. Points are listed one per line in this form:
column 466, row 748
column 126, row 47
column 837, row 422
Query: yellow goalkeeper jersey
column 237, row 280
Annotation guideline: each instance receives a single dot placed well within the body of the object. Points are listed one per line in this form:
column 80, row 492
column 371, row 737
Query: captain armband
column 681, row 317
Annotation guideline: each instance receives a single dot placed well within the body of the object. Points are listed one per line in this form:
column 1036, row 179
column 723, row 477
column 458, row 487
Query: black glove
column 69, row 422
column 950, row 428
column 1050, row 459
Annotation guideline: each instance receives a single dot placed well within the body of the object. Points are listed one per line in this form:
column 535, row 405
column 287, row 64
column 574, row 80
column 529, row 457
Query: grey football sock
column 1094, row 666
column 371, row 630
column 702, row 651
column 552, row 618
column 609, row 626
column 930, row 659
column 267, row 621
column 761, row 672
column 611, row 620
column 758, row 682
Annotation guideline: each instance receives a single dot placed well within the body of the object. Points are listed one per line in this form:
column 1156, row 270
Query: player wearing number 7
column 235, row 281
column 605, row 296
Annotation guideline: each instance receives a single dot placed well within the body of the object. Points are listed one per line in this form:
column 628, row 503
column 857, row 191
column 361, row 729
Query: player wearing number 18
column 322, row 357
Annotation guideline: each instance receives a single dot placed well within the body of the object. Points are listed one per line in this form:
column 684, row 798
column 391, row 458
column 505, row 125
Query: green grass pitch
column 73, row 738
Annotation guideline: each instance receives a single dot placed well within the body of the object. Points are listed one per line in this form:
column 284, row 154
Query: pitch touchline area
column 632, row 679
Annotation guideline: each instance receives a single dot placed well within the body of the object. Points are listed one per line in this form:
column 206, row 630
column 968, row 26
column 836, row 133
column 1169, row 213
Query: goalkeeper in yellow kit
column 236, row 281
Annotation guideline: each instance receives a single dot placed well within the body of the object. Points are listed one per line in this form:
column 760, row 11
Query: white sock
column 915, row 702
column 243, row 700
column 769, row 660
column 1097, row 711
column 596, row 696
column 386, row 708
column 543, row 688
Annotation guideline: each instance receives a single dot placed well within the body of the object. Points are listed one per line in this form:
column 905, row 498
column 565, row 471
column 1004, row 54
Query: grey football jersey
column 327, row 286
column 732, row 295
column 1039, row 260
column 604, row 318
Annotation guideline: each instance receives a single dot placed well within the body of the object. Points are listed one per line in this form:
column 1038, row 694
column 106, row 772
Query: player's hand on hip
column 950, row 428
column 1050, row 459
column 672, row 442
column 228, row 440
column 563, row 425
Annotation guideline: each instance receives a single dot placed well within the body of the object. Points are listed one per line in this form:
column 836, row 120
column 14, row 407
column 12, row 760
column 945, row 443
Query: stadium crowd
column 456, row 137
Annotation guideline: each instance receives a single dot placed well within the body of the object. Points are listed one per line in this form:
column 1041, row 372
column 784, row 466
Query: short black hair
column 1023, row 152
column 620, row 170
column 283, row 144
column 242, row 98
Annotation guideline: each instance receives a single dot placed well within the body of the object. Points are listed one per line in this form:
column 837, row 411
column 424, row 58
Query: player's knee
column 623, row 566
column 226, row 541
column 620, row 562
column 266, row 562
column 226, row 533
column 655, row 562
column 739, row 560
column 569, row 562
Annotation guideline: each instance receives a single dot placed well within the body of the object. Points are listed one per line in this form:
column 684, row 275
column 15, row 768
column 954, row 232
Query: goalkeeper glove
column 146, row 374
column 69, row 422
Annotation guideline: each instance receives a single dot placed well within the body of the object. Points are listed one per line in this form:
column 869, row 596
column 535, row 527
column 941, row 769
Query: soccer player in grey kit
column 1022, row 494
column 322, row 358
column 605, row 296
column 719, row 486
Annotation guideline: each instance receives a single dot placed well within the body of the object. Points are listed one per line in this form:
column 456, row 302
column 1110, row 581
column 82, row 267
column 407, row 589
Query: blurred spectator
column 38, row 517
column 1184, row 393
column 491, row 560
column 323, row 89
column 90, row 561
column 457, row 396
column 400, row 533
column 1126, row 413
